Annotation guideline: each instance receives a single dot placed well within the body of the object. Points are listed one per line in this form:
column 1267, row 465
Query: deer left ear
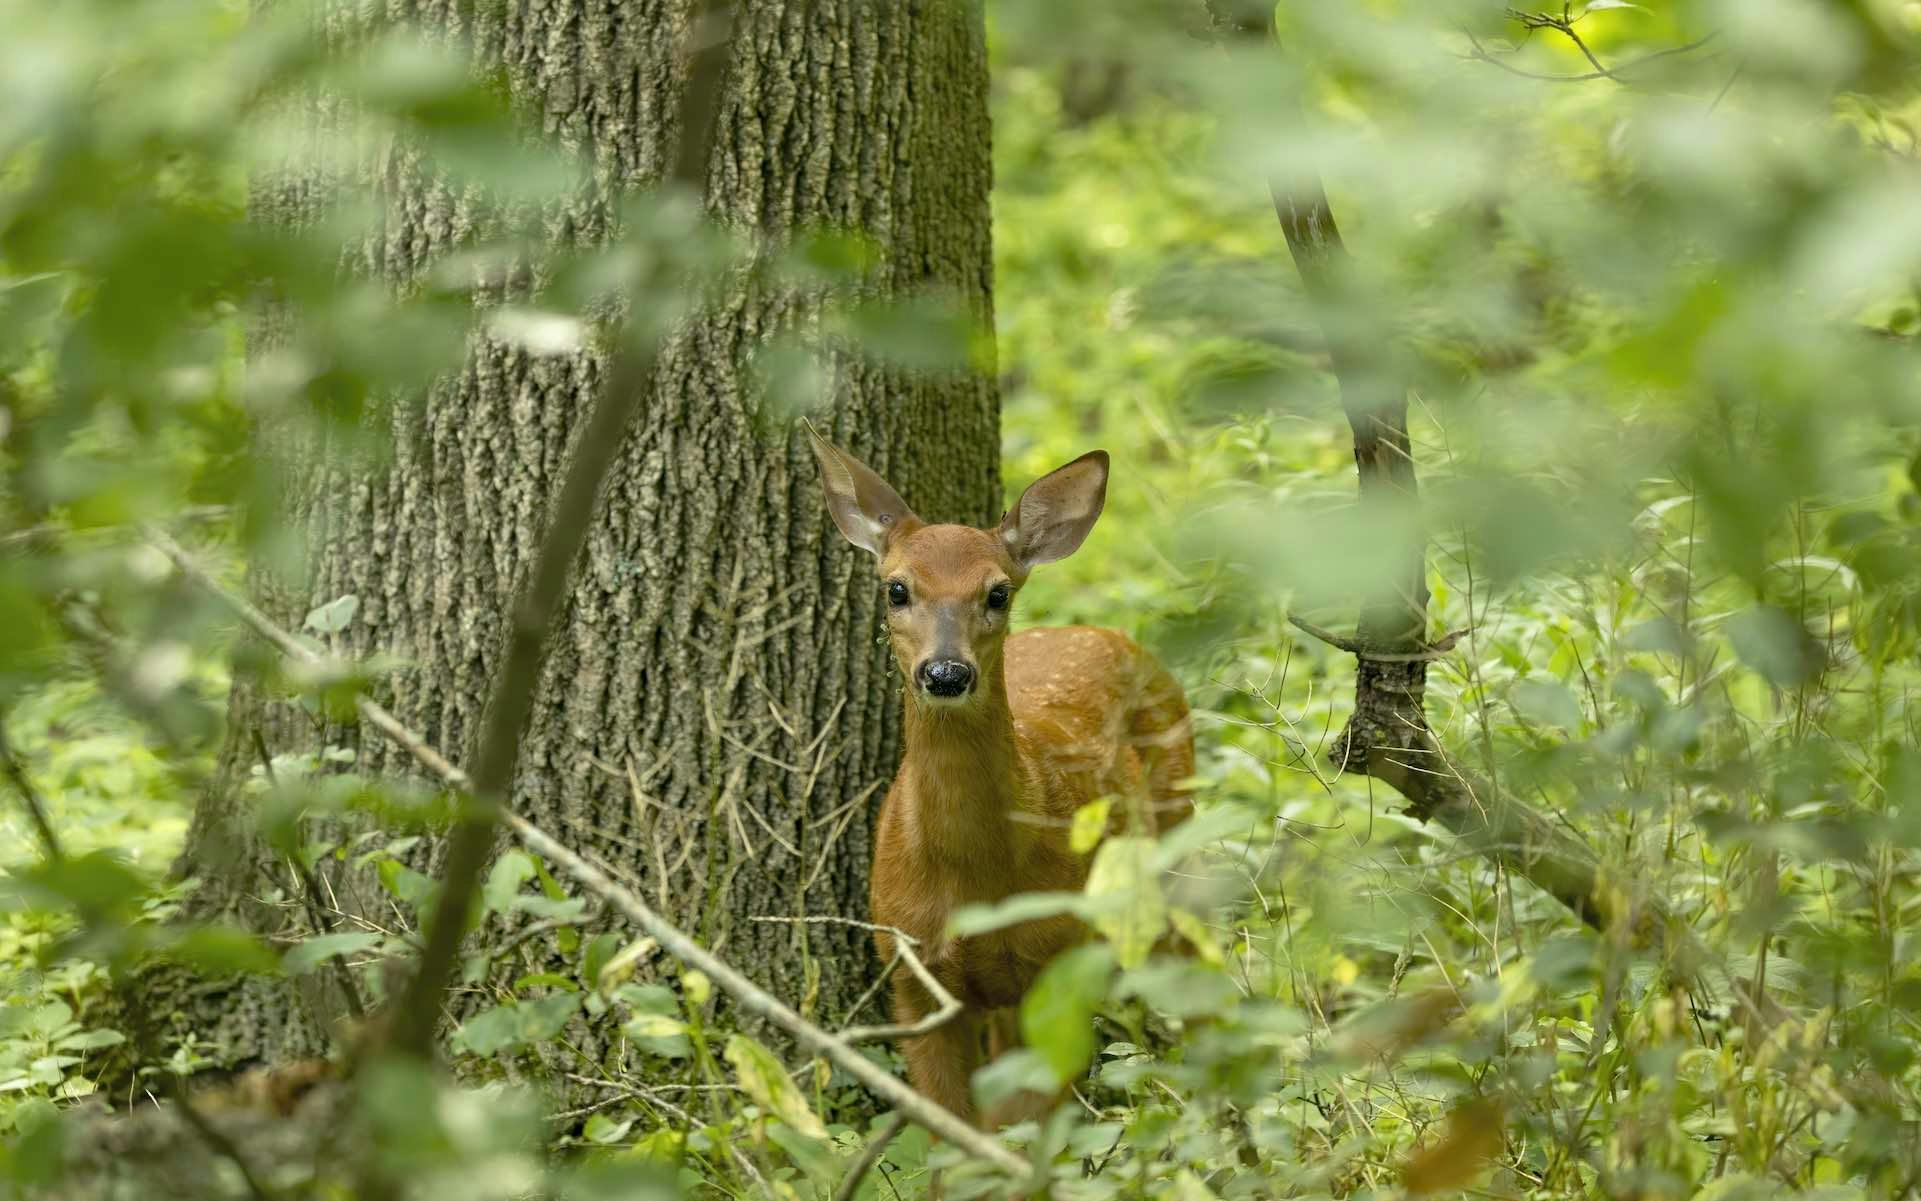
column 1052, row 518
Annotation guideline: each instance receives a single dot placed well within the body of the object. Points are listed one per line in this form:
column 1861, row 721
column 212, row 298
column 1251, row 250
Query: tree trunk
column 717, row 717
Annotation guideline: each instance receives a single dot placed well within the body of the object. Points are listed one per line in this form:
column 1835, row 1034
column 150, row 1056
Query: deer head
column 949, row 589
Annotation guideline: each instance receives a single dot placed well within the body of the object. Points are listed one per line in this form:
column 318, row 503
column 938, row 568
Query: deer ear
column 1052, row 518
column 867, row 511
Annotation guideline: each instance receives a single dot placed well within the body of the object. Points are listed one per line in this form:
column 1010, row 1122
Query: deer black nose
column 946, row 677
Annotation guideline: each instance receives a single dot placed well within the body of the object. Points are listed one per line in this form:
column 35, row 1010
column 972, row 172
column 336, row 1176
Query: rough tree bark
column 714, row 720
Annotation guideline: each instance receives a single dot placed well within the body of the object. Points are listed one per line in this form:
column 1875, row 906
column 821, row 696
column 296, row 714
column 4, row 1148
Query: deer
column 1006, row 737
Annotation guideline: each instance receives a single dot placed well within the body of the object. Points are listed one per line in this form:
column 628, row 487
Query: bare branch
column 947, row 1010
column 1434, row 650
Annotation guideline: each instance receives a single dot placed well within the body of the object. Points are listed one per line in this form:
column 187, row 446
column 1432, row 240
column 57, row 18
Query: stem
column 29, row 796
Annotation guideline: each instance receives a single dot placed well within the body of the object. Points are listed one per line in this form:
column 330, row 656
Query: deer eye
column 897, row 594
column 998, row 596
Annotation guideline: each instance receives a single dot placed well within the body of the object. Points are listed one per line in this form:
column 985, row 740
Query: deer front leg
column 940, row 1063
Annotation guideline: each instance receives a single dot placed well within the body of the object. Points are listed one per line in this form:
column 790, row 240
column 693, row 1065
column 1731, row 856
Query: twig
column 947, row 1010
column 1435, row 649
column 29, row 796
column 1480, row 53
column 497, row 748
column 750, row 996
column 1563, row 23
column 1728, row 86
column 869, row 1156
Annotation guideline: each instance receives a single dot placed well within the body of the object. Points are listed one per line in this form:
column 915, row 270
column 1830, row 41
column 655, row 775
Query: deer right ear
column 867, row 511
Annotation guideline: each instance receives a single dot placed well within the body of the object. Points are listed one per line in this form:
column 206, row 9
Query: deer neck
column 964, row 774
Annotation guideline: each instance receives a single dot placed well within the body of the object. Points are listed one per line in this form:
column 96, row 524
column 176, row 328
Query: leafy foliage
column 1650, row 273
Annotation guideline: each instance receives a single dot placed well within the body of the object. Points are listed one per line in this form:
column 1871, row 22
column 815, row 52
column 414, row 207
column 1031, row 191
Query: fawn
column 1006, row 738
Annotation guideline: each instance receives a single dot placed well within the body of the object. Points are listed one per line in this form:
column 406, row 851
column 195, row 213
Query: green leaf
column 41, row 1021
column 1028, row 906
column 334, row 616
column 656, row 1026
column 602, row 1129
column 1776, row 645
column 31, row 1113
column 96, row 883
column 1208, row 826
column 1090, row 822
column 90, row 1040
column 1189, row 1187
column 813, row 1156
column 504, row 880
column 37, row 1154
column 517, row 1023
column 315, row 951
column 490, row 1031
column 1737, row 1186
column 1128, row 908
column 1563, row 963
column 534, row 980
column 1198, row 936
column 762, row 1077
column 1057, row 1014
column 1545, row 701
column 548, row 1016
column 1659, row 634
column 406, row 884
column 1180, row 988
column 637, row 1174
column 1018, row 1071
column 649, row 998
column 659, row 1036
column 224, row 950
column 600, row 951
column 564, row 909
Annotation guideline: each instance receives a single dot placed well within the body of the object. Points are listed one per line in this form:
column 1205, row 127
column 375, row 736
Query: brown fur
column 980, row 812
